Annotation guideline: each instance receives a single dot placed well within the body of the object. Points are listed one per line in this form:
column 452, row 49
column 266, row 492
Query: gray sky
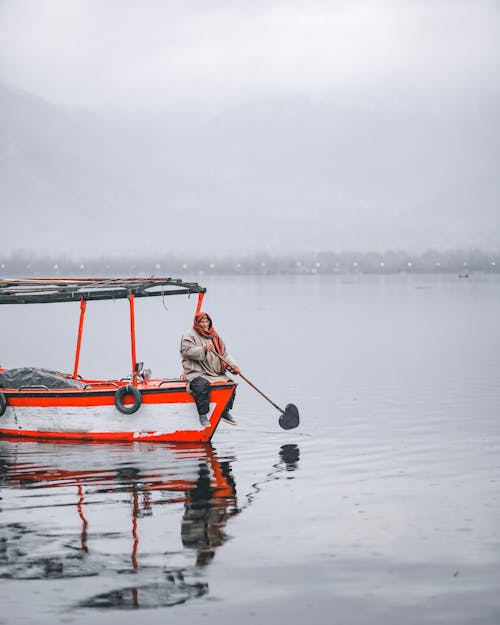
column 140, row 55
column 362, row 123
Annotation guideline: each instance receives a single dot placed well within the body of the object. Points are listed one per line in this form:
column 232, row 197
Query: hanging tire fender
column 128, row 389
column 3, row 404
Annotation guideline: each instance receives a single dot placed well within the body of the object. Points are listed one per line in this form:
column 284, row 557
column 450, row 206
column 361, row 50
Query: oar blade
column 290, row 418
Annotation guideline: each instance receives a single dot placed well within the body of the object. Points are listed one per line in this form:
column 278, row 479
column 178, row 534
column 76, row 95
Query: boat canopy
column 51, row 290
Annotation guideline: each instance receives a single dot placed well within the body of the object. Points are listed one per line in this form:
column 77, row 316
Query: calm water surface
column 382, row 507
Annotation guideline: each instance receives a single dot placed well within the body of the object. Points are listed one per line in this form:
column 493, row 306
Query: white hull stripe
column 158, row 418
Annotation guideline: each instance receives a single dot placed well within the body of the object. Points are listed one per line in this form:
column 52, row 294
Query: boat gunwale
column 89, row 392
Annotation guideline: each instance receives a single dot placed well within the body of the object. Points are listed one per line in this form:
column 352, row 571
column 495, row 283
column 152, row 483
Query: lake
column 381, row 507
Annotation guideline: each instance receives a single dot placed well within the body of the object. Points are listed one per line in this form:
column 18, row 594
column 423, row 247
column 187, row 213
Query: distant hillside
column 60, row 174
column 278, row 177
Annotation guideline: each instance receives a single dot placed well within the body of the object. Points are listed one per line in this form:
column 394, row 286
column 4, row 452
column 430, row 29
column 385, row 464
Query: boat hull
column 167, row 413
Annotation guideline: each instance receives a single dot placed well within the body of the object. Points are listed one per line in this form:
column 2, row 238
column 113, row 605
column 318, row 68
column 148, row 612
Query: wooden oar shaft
column 263, row 394
column 251, row 384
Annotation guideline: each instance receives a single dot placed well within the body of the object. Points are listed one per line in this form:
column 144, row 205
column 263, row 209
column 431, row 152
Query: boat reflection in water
column 103, row 513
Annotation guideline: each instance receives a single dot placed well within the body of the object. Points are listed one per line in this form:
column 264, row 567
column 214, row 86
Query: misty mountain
column 60, row 175
column 281, row 175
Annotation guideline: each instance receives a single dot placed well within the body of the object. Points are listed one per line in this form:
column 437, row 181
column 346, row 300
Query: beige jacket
column 197, row 361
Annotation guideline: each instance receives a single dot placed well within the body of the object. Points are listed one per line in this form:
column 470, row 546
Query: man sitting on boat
column 200, row 350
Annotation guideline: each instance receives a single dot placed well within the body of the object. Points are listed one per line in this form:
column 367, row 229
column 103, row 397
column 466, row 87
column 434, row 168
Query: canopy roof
column 49, row 290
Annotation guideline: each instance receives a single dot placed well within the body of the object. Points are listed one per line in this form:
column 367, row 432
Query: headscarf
column 209, row 334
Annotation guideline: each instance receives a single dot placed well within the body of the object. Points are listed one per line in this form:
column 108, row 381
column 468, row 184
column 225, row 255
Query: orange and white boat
column 37, row 403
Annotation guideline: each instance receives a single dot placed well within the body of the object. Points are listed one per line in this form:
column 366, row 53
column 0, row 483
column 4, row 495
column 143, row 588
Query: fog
column 239, row 127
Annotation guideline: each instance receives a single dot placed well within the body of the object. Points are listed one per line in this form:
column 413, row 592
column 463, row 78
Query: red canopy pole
column 200, row 301
column 83, row 305
column 132, row 337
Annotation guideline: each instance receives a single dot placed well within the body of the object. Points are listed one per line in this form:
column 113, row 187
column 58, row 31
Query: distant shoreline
column 462, row 262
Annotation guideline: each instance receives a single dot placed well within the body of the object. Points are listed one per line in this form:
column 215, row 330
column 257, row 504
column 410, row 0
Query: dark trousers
column 200, row 387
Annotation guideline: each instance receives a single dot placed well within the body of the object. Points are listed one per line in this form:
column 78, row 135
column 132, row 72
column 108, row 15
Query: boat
column 46, row 404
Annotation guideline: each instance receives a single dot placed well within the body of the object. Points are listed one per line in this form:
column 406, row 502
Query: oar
column 289, row 417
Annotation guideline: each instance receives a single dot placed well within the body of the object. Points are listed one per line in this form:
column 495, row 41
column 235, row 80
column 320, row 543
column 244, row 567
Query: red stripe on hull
column 186, row 436
column 98, row 400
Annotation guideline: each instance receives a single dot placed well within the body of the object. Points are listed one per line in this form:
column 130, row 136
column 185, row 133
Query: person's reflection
column 206, row 511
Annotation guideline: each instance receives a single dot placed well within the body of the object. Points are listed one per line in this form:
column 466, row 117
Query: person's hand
column 209, row 347
column 235, row 370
